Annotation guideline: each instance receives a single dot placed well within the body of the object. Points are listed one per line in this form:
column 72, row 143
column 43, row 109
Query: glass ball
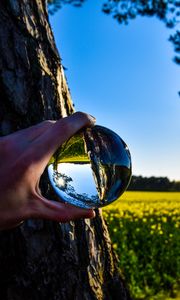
column 92, row 169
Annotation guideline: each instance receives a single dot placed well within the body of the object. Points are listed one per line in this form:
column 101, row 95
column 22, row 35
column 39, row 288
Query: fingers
column 31, row 133
column 44, row 146
column 14, row 145
column 56, row 211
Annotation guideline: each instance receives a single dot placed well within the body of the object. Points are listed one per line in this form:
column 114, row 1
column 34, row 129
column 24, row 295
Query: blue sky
column 125, row 77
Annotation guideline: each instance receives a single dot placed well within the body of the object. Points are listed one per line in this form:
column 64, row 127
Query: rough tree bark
column 41, row 259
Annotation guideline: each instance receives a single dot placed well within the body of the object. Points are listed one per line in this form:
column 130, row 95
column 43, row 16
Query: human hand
column 23, row 158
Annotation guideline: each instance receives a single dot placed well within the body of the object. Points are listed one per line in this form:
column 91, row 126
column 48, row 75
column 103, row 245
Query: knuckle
column 81, row 115
column 84, row 118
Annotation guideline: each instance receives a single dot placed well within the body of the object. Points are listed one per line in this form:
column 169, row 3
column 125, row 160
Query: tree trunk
column 41, row 259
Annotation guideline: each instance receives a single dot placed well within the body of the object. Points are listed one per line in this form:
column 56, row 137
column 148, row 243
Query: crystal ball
column 92, row 169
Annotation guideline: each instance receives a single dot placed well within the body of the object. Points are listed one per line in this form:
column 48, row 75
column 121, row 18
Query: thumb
column 56, row 211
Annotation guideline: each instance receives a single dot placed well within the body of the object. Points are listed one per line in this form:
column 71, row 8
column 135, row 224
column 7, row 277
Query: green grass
column 144, row 228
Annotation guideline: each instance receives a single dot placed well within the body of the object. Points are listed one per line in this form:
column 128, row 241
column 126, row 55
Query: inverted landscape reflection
column 92, row 169
column 74, row 183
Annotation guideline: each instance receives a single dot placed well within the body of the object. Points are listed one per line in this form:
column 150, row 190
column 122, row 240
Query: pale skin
column 23, row 157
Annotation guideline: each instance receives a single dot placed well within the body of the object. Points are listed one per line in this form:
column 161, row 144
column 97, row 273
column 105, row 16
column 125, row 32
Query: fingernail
column 93, row 119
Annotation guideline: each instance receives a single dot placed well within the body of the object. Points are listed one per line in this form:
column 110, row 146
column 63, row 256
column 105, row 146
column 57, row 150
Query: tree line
column 140, row 183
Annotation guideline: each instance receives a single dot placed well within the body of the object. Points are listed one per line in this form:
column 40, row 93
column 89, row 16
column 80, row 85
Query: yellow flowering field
column 144, row 228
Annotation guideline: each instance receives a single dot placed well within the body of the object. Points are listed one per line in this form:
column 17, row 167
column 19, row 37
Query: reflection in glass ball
column 92, row 169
